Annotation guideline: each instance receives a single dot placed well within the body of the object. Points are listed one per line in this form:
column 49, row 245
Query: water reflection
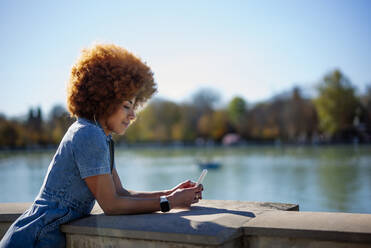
column 336, row 178
column 22, row 175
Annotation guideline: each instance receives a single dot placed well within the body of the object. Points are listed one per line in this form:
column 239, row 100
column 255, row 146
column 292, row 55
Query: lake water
column 329, row 178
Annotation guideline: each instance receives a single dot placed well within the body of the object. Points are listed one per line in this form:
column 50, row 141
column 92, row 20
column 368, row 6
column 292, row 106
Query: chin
column 120, row 132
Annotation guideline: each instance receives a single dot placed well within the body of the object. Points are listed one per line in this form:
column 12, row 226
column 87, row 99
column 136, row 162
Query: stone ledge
column 88, row 241
column 340, row 227
column 209, row 222
column 10, row 211
column 286, row 242
column 213, row 223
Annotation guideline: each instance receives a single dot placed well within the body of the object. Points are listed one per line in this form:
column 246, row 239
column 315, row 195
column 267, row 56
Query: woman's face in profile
column 120, row 120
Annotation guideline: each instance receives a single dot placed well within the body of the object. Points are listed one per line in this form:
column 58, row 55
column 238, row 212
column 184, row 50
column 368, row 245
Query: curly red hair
column 103, row 77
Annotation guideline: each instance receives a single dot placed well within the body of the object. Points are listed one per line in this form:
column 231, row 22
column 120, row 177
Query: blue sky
column 253, row 49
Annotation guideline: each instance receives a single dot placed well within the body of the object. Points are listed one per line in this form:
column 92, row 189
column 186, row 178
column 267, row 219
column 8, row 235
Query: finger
column 192, row 184
column 187, row 184
column 199, row 188
column 199, row 196
column 193, row 188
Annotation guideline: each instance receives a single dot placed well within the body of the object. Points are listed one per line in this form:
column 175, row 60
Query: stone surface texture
column 213, row 223
column 78, row 241
column 209, row 222
column 279, row 242
column 345, row 227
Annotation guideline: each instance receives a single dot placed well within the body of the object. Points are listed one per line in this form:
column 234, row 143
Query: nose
column 132, row 115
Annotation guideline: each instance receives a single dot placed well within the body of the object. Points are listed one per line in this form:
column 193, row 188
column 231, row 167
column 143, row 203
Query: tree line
column 336, row 114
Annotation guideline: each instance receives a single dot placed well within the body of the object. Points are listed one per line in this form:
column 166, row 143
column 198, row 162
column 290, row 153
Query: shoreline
column 181, row 145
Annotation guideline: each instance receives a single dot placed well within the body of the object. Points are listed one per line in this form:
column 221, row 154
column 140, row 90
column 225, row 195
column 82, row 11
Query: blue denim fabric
column 64, row 195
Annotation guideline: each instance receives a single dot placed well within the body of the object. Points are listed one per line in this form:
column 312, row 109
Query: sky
column 252, row 49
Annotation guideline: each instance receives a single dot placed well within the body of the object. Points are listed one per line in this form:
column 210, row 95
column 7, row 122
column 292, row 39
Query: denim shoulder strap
column 112, row 152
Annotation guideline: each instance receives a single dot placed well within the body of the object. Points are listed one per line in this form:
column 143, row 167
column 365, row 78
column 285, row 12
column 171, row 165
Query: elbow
column 116, row 207
column 109, row 210
column 110, row 213
column 110, row 207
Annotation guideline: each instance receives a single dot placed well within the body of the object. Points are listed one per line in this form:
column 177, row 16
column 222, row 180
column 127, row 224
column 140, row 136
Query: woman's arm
column 104, row 191
column 124, row 192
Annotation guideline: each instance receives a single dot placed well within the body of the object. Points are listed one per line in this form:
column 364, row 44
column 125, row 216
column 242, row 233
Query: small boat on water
column 205, row 156
column 209, row 165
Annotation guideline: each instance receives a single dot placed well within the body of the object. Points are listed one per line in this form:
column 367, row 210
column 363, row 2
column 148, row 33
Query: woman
column 106, row 87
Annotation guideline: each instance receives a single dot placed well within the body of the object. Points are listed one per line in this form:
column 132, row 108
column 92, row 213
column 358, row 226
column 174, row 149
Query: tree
column 59, row 121
column 8, row 134
column 155, row 122
column 220, row 124
column 205, row 125
column 186, row 128
column 204, row 100
column 336, row 104
column 237, row 111
column 300, row 119
column 366, row 102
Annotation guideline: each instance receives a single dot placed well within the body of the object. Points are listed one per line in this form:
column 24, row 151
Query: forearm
column 145, row 194
column 104, row 190
column 132, row 205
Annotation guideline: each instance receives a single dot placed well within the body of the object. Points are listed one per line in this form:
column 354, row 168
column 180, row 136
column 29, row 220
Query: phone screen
column 202, row 176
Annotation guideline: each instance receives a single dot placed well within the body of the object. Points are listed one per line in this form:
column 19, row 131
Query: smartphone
column 202, row 176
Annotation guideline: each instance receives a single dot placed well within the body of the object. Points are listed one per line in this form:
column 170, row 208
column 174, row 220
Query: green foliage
column 236, row 110
column 336, row 104
column 155, row 123
column 184, row 129
column 288, row 117
column 219, row 124
column 9, row 134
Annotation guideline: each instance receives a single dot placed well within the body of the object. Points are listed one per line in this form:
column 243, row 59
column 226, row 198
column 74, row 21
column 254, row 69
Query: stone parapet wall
column 213, row 223
column 308, row 229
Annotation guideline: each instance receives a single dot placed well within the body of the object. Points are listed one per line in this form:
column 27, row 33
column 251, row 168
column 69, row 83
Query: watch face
column 165, row 206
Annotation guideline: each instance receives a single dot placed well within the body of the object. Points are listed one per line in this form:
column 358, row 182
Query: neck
column 103, row 124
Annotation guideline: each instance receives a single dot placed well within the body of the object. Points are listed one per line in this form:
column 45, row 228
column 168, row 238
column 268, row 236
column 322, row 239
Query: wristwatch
column 164, row 204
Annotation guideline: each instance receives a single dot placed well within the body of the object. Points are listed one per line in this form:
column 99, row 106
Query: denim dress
column 64, row 196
